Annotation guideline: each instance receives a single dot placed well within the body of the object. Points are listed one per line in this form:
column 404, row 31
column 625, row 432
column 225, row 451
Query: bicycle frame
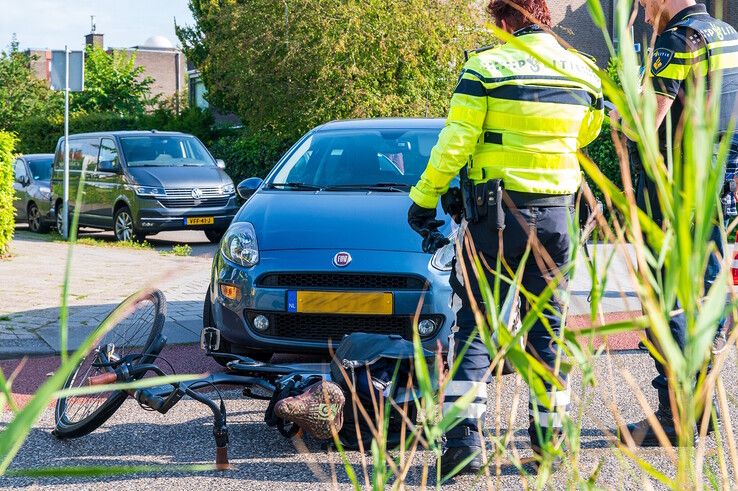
column 243, row 372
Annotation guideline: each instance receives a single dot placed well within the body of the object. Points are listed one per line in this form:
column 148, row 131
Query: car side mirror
column 107, row 166
column 220, row 163
column 247, row 187
column 25, row 180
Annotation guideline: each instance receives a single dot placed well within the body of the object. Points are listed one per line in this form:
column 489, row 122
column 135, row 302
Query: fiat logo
column 197, row 193
column 342, row 259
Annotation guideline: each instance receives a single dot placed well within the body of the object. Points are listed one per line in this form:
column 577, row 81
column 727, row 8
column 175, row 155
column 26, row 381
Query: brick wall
column 161, row 65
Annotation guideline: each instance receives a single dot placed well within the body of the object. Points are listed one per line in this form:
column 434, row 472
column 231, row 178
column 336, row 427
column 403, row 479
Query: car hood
column 332, row 220
column 179, row 177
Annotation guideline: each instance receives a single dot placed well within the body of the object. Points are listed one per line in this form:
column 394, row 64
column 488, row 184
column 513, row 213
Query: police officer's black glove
column 434, row 241
column 423, row 221
column 453, row 204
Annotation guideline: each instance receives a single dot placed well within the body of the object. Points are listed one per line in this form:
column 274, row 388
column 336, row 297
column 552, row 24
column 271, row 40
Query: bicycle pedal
column 210, row 339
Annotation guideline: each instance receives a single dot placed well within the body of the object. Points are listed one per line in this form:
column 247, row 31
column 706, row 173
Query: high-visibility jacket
column 696, row 45
column 515, row 117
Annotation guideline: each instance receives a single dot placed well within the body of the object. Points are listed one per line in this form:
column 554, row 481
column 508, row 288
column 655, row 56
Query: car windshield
column 373, row 159
column 40, row 169
column 165, row 151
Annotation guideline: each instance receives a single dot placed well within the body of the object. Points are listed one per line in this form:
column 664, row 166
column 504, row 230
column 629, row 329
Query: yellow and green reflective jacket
column 695, row 45
column 515, row 117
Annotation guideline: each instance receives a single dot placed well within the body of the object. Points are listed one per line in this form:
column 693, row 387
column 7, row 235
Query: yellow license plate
column 339, row 303
column 199, row 220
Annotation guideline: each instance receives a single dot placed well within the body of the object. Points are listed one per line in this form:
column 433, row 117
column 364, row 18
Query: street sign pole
column 65, row 206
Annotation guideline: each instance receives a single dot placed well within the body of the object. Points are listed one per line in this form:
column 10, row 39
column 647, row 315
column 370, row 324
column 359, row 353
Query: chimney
column 94, row 39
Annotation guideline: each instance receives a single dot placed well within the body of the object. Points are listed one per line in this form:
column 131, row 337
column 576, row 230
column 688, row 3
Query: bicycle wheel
column 136, row 332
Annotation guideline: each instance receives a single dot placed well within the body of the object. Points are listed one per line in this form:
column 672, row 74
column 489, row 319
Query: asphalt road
column 264, row 460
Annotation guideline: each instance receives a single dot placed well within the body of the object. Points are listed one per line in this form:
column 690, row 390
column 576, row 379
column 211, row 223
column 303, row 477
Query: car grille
column 187, row 192
column 324, row 327
column 182, row 198
column 192, row 203
column 348, row 281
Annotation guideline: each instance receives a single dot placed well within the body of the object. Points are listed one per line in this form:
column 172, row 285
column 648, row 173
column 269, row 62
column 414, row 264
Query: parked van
column 139, row 183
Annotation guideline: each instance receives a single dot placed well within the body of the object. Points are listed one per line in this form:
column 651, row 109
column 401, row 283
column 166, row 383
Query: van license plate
column 199, row 220
column 310, row 302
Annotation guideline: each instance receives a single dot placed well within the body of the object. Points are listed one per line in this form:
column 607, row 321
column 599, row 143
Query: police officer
column 515, row 125
column 689, row 44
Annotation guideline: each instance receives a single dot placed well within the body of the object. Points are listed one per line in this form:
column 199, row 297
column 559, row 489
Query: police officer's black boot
column 644, row 434
column 453, row 455
column 550, row 436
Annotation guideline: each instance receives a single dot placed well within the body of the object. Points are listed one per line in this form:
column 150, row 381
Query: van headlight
column 239, row 244
column 444, row 256
column 149, row 191
column 228, row 189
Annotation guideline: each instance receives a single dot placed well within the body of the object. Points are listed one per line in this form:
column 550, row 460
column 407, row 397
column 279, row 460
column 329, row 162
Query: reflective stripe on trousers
column 551, row 228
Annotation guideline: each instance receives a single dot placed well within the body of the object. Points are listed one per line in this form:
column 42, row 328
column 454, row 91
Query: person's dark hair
column 520, row 13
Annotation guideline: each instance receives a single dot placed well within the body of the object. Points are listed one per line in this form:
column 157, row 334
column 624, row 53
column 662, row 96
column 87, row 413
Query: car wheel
column 59, row 225
column 35, row 220
column 214, row 234
column 225, row 346
column 123, row 227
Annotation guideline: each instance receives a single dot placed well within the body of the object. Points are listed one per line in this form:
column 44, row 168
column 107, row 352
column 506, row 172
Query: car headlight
column 228, row 189
column 444, row 256
column 239, row 244
column 149, row 191
column 44, row 192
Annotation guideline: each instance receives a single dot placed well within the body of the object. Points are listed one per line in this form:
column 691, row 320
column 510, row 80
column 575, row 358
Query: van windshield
column 165, row 151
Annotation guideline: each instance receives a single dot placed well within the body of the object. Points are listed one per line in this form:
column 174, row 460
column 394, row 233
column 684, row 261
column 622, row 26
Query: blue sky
column 55, row 23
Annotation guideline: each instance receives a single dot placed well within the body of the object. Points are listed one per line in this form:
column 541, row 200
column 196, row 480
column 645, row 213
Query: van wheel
column 59, row 225
column 123, row 227
column 214, row 234
column 35, row 220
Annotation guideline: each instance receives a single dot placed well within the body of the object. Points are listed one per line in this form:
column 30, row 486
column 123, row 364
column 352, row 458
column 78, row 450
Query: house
column 573, row 23
column 160, row 59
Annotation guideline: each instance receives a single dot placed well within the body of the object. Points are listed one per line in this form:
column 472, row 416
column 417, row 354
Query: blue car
column 322, row 248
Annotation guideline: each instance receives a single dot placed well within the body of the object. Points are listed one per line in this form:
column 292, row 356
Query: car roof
column 36, row 156
column 383, row 123
column 98, row 134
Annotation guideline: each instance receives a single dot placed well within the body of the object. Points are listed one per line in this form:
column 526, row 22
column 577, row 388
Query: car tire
column 58, row 220
column 225, row 345
column 124, row 228
column 214, row 234
column 35, row 221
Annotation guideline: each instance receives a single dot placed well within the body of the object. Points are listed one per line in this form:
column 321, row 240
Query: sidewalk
column 101, row 278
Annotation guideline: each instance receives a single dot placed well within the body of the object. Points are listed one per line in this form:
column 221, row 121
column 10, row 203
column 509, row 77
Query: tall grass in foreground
column 689, row 183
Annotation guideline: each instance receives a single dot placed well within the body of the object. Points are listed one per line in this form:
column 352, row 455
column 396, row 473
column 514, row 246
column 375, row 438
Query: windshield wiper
column 294, row 185
column 381, row 186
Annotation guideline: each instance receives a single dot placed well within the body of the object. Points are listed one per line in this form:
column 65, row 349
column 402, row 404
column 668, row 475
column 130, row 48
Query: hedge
column 7, row 193
column 602, row 152
column 40, row 134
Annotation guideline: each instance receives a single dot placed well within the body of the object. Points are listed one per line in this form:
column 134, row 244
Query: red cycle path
column 190, row 359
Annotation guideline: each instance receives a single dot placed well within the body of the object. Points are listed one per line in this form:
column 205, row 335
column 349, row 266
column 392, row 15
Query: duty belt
column 535, row 200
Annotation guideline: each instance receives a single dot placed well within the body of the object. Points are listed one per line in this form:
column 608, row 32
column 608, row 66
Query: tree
column 284, row 67
column 22, row 94
column 114, row 84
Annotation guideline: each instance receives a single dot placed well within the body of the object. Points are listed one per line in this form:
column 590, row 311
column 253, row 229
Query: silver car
column 32, row 178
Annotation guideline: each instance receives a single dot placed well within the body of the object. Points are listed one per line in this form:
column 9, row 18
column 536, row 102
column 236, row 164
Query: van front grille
column 186, row 193
column 193, row 203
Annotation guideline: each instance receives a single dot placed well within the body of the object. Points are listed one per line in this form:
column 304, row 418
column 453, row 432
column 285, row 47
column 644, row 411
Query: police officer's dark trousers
column 549, row 227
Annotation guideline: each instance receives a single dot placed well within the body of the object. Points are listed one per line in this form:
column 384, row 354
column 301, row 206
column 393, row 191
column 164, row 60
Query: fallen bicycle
column 365, row 369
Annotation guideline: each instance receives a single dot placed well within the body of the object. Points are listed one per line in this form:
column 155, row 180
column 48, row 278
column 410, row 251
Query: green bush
column 602, row 152
column 40, row 134
column 7, row 194
column 249, row 155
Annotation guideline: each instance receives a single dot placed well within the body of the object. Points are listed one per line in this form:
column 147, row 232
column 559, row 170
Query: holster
column 488, row 203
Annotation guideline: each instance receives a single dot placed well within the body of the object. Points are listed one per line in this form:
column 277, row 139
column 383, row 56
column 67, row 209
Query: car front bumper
column 235, row 317
column 153, row 217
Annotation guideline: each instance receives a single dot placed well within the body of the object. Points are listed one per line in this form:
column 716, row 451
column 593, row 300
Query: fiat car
column 321, row 248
